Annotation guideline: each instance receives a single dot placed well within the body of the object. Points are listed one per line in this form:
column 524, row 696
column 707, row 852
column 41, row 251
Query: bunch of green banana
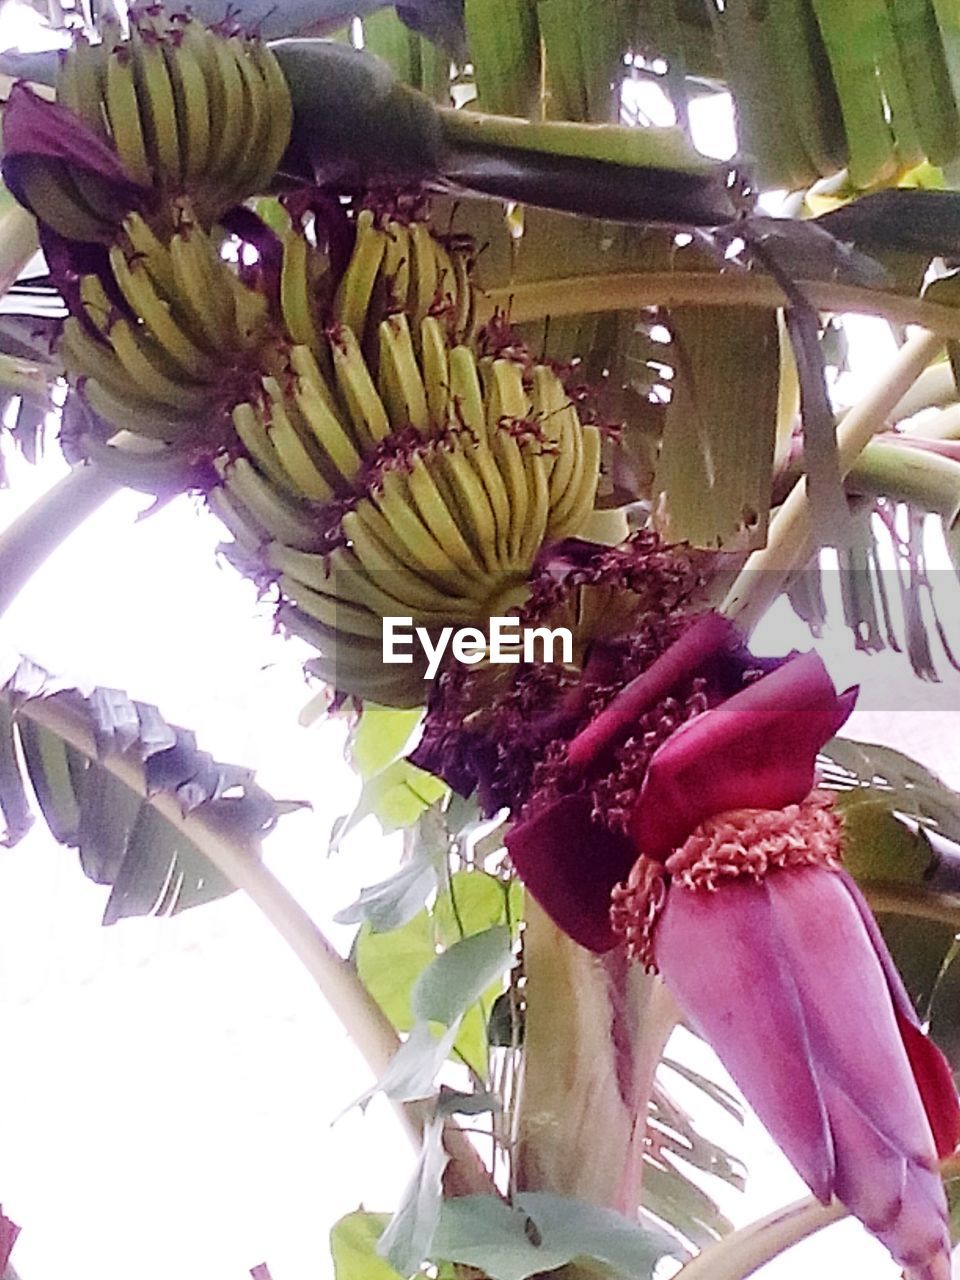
column 444, row 528
column 167, row 349
column 397, row 265
column 190, row 113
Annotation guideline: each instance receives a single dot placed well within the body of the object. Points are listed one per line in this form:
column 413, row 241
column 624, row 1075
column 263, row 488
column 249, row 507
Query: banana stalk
column 594, row 1030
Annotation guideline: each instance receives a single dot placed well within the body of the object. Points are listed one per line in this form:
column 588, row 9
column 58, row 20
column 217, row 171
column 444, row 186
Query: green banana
column 123, row 114
column 367, row 412
column 355, row 289
column 400, row 382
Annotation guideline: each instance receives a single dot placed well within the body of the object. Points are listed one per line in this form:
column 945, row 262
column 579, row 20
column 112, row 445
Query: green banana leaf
column 819, row 89
column 902, row 844
column 98, row 765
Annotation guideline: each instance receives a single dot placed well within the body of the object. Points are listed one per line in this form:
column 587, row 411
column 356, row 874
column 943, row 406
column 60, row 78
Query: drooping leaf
column 715, row 1092
column 413, row 1069
column 446, row 990
column 713, row 479
column 98, row 765
column 406, row 1241
column 671, row 1132
column 392, row 902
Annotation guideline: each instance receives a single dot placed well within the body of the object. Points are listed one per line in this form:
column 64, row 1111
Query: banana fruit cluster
column 398, row 266
column 164, row 347
column 444, row 529
column 191, row 113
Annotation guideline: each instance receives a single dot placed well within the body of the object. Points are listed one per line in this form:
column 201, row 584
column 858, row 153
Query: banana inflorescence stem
column 792, row 540
column 37, row 533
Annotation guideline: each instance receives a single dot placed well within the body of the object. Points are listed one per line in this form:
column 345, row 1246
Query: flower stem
column 792, row 540
column 359, row 1013
column 921, row 478
column 41, row 528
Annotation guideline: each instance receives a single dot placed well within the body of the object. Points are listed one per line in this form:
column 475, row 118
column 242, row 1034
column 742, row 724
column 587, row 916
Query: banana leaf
column 902, row 844
column 103, row 770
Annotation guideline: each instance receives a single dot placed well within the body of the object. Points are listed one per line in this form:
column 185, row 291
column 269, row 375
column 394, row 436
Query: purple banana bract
column 733, row 892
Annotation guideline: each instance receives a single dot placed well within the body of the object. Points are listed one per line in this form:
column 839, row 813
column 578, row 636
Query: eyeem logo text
column 507, row 642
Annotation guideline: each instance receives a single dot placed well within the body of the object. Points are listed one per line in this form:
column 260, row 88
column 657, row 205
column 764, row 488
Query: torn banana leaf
column 902, row 844
column 713, row 478
column 98, row 765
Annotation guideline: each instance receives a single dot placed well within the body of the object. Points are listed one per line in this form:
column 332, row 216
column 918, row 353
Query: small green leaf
column 390, row 963
column 381, row 737
column 392, row 902
column 394, row 791
column 459, row 977
column 353, row 1244
column 412, row 1071
column 542, row 1232
column 471, row 901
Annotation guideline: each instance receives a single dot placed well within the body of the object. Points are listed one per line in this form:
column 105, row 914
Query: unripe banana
column 173, row 361
column 193, row 116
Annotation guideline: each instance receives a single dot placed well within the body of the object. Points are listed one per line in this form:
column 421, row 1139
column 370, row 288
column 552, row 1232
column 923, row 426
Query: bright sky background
column 169, row 1086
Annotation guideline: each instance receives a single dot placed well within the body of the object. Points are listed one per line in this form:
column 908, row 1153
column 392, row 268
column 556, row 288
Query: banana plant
column 518, row 358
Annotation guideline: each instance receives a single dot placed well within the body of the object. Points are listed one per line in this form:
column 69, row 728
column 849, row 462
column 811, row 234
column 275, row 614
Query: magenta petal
column 8, row 1238
column 570, row 863
column 34, row 127
column 757, row 750
column 707, row 635
column 883, row 1144
column 847, row 1002
column 719, row 955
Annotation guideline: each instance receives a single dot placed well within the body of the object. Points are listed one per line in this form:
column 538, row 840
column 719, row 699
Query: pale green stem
column 37, row 533
column 630, row 290
column 934, row 389
column 743, row 1252
column 359, row 1013
column 944, row 426
column 920, row 477
column 594, row 1031
column 792, row 541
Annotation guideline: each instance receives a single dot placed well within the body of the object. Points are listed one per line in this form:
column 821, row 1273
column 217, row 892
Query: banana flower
column 722, row 872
